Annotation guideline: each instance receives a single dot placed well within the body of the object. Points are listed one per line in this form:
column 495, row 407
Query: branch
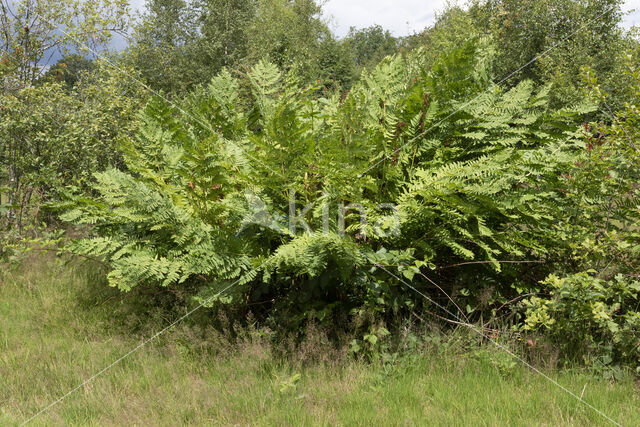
column 491, row 262
column 447, row 295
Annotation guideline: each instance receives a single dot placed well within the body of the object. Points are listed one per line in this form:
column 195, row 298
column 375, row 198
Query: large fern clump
column 260, row 191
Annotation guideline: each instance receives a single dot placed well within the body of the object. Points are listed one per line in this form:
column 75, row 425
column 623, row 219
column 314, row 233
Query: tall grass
column 58, row 328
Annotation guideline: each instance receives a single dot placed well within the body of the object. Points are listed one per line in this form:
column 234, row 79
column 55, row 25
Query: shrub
column 53, row 137
column 584, row 316
column 447, row 166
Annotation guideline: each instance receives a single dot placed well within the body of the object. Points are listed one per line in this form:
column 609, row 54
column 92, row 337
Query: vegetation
column 54, row 138
column 242, row 173
column 586, row 311
column 68, row 70
column 34, row 31
column 65, row 328
column 178, row 220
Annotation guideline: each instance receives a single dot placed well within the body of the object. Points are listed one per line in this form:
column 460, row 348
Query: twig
column 519, row 297
column 442, row 318
column 491, row 262
column 447, row 295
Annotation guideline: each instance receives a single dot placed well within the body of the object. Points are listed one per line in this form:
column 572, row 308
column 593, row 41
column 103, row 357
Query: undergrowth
column 59, row 328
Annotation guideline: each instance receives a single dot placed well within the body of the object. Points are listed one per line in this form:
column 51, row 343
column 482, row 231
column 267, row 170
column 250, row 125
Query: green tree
column 336, row 68
column 223, row 24
column 541, row 40
column 68, row 70
column 452, row 28
column 562, row 36
column 289, row 34
column 53, row 137
column 370, row 45
column 162, row 41
column 180, row 44
column 32, row 31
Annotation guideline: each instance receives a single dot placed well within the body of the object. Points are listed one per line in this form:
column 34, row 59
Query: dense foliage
column 446, row 166
column 488, row 163
column 588, row 317
column 180, row 44
column 594, row 315
column 546, row 41
column 53, row 138
column 32, row 32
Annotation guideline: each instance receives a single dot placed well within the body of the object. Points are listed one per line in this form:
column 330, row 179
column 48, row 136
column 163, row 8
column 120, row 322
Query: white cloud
column 632, row 18
column 401, row 17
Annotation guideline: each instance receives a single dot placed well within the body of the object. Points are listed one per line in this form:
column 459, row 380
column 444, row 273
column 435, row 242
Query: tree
column 370, row 45
column 162, row 40
column 33, row 31
column 68, row 70
column 293, row 35
column 542, row 40
column 223, row 24
column 336, row 68
column 180, row 44
column 289, row 34
column 453, row 27
column 53, row 137
column 560, row 37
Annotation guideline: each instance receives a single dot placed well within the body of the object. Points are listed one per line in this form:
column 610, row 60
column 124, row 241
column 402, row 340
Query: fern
column 473, row 170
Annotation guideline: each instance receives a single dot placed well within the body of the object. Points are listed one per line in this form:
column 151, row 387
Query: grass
column 52, row 338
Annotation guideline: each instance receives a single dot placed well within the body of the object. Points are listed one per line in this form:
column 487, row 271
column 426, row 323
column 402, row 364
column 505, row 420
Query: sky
column 401, row 17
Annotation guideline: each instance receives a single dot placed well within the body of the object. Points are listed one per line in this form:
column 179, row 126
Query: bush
column 53, row 137
column 417, row 168
column 589, row 318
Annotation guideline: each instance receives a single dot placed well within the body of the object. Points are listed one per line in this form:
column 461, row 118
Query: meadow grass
column 52, row 338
